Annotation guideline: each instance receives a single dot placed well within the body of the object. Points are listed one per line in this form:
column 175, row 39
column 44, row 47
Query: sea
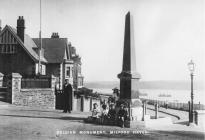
column 178, row 96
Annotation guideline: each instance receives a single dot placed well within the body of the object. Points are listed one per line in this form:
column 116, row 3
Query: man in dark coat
column 67, row 91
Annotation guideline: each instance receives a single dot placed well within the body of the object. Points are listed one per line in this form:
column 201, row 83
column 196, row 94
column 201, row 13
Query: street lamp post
column 191, row 67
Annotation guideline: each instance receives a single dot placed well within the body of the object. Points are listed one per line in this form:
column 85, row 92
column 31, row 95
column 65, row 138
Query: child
column 95, row 112
column 104, row 113
column 122, row 115
column 112, row 114
column 105, row 110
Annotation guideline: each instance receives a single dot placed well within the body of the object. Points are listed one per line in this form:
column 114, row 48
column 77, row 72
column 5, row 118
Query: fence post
column 1, row 79
column 156, row 110
column 143, row 117
column 14, row 87
column 196, row 118
column 145, row 107
column 53, row 82
column 189, row 111
column 53, row 87
column 82, row 103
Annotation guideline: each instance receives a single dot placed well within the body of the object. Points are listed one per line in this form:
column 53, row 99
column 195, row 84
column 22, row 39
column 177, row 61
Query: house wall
column 18, row 62
column 77, row 76
column 54, row 69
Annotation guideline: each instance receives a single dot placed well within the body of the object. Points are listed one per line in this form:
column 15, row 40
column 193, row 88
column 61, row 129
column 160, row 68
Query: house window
column 7, row 48
column 68, row 71
column 72, row 72
column 43, row 69
column 79, row 69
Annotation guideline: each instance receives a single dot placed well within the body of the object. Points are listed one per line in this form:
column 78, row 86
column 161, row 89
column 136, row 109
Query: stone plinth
column 200, row 117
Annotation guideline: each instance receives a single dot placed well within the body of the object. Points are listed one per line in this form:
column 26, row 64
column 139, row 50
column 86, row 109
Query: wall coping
column 200, row 111
column 36, row 89
column 16, row 75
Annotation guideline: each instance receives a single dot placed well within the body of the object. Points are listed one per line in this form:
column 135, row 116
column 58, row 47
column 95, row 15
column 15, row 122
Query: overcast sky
column 167, row 33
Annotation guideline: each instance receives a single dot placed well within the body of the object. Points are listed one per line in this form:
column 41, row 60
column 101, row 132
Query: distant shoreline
column 172, row 85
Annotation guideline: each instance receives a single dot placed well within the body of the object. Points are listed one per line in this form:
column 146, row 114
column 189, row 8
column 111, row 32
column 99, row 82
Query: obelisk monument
column 129, row 78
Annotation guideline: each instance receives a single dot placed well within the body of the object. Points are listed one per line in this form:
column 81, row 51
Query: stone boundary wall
column 35, row 97
column 41, row 98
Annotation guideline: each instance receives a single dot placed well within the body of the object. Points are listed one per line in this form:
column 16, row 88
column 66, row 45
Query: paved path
column 176, row 115
column 25, row 123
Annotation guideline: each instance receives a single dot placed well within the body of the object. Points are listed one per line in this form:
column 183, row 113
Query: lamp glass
column 191, row 66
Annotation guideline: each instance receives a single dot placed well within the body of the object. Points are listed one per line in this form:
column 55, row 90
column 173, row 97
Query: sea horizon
column 158, row 84
column 178, row 96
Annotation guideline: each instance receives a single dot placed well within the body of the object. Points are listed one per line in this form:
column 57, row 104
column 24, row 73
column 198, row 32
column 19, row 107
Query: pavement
column 176, row 115
column 26, row 123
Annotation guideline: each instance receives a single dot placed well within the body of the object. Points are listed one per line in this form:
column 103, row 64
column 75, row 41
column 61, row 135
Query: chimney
column 20, row 28
column 54, row 35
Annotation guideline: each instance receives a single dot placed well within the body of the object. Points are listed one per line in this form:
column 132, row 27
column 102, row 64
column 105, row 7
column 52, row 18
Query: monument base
column 135, row 112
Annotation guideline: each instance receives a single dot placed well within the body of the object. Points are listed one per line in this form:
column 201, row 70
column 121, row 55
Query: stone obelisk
column 129, row 78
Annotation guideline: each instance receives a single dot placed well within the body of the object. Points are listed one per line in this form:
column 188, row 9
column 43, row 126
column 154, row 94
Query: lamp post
column 191, row 67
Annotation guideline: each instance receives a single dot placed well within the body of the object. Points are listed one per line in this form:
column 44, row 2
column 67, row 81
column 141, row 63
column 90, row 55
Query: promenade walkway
column 26, row 123
column 176, row 115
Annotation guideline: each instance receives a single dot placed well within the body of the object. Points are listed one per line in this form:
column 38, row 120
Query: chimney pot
column 21, row 28
column 54, row 35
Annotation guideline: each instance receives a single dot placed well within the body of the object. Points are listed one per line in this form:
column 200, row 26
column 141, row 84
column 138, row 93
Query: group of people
column 108, row 114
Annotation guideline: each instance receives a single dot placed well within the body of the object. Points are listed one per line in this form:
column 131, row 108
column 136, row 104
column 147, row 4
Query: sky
column 167, row 33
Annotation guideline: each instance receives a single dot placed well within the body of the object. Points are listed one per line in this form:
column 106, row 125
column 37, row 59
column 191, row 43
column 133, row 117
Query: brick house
column 19, row 53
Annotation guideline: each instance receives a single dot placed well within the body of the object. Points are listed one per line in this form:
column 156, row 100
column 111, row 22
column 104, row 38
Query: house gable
column 28, row 45
column 13, row 57
column 8, row 42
